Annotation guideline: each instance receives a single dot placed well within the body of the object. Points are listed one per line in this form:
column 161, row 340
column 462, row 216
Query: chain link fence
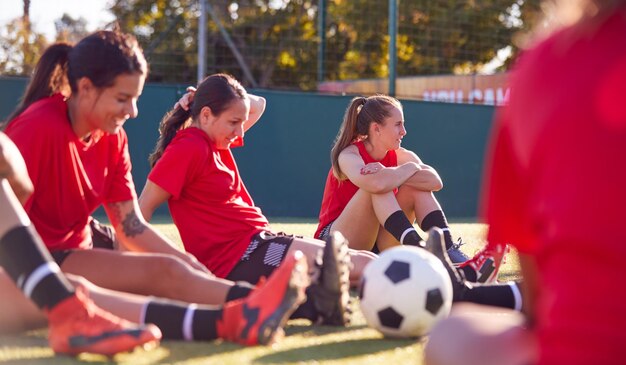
column 446, row 50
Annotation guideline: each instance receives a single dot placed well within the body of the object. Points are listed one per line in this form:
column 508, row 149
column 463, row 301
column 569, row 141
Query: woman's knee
column 169, row 273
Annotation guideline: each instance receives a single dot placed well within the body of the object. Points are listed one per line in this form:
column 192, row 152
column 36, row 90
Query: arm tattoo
column 132, row 225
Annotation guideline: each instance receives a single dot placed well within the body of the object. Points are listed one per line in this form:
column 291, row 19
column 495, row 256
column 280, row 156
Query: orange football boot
column 77, row 325
column 259, row 318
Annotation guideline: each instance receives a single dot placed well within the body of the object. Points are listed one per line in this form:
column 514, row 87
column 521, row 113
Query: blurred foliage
column 279, row 39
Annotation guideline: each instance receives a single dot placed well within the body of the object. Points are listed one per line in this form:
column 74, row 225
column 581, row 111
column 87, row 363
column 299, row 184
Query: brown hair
column 100, row 57
column 217, row 92
column 356, row 122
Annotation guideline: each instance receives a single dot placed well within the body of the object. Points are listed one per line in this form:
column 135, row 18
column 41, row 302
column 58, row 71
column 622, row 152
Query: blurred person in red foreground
column 563, row 132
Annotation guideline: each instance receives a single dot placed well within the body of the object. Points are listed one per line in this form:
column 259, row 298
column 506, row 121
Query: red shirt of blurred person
column 556, row 188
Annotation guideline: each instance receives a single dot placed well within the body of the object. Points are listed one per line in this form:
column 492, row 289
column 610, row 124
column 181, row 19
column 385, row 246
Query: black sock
column 307, row 309
column 23, row 254
column 498, row 295
column 399, row 226
column 470, row 273
column 179, row 321
column 241, row 289
column 436, row 218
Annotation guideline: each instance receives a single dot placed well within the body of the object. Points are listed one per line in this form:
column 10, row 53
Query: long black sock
column 241, row 289
column 181, row 321
column 28, row 262
column 401, row 228
column 436, row 218
column 499, row 295
column 307, row 309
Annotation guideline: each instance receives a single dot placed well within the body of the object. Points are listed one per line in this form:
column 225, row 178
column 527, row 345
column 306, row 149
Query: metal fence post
column 393, row 32
column 321, row 30
column 202, row 41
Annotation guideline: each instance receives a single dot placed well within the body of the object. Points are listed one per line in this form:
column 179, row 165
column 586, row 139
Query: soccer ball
column 405, row 291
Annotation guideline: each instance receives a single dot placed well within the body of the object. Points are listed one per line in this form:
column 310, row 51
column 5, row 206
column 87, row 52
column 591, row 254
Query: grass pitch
column 303, row 343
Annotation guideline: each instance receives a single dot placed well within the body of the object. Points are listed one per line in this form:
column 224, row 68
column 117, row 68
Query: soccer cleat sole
column 336, row 250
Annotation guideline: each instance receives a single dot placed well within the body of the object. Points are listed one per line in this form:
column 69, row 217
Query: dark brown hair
column 100, row 57
column 217, row 92
column 356, row 122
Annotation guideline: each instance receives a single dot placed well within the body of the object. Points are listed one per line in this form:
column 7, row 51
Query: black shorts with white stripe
column 264, row 254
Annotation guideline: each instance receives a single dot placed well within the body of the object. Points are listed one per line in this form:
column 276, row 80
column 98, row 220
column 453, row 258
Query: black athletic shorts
column 264, row 254
column 102, row 236
column 325, row 232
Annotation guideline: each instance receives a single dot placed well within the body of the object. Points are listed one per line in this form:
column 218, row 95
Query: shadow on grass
column 31, row 348
column 334, row 351
column 301, row 327
column 179, row 351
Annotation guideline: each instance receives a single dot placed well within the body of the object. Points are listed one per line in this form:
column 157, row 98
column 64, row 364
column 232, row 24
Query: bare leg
column 481, row 335
column 372, row 210
column 17, row 312
column 416, row 204
column 147, row 274
column 361, row 219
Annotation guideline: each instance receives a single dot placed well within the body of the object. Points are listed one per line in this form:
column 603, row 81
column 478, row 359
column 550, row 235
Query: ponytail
column 216, row 91
column 172, row 122
column 347, row 133
column 49, row 77
column 356, row 123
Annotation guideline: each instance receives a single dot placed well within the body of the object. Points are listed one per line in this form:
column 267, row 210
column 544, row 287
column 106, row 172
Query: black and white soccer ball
column 405, row 291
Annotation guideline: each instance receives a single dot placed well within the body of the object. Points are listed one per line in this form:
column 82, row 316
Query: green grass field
column 304, row 344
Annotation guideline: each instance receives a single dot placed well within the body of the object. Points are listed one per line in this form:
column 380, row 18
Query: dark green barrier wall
column 286, row 157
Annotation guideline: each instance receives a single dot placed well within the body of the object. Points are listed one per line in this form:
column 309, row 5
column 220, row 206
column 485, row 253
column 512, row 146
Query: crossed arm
column 378, row 179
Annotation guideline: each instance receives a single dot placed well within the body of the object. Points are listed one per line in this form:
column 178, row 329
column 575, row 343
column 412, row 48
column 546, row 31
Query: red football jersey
column 71, row 177
column 337, row 194
column 210, row 205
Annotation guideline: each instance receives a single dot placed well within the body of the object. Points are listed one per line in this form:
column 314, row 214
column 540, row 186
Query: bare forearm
column 390, row 178
column 426, row 179
column 135, row 233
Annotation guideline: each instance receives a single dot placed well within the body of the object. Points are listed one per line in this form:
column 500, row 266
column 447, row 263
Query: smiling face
column 224, row 129
column 108, row 108
column 391, row 131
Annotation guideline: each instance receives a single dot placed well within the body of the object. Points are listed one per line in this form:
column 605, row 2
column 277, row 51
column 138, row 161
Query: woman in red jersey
column 562, row 133
column 69, row 131
column 195, row 172
column 376, row 189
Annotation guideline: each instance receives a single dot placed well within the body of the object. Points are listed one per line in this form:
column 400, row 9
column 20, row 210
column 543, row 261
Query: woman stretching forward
column 195, row 171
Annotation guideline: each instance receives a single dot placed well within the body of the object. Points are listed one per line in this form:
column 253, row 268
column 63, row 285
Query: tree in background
column 20, row 46
column 278, row 39
column 167, row 31
column 69, row 29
